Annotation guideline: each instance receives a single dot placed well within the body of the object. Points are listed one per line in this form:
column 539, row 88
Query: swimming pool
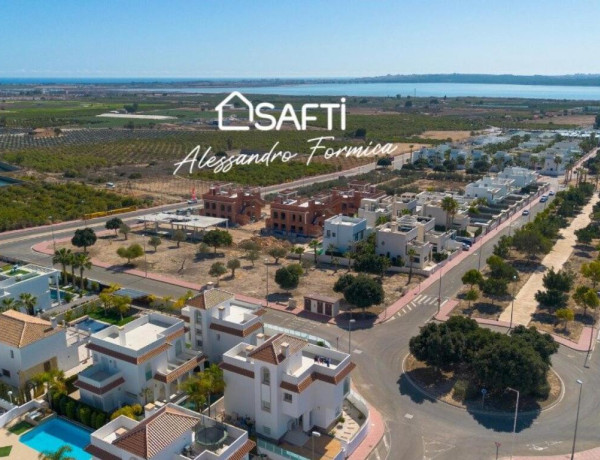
column 52, row 435
column 91, row 325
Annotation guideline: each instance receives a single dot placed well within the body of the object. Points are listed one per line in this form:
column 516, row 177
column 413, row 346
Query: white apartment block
column 395, row 239
column 144, row 360
column 521, row 177
column 31, row 345
column 492, row 188
column 284, row 383
column 32, row 279
column 403, row 204
column 218, row 322
column 341, row 233
column 430, row 205
column 372, row 209
column 169, row 433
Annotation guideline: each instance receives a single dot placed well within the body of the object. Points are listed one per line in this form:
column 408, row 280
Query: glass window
column 266, row 406
column 148, row 371
column 265, row 376
column 287, row 397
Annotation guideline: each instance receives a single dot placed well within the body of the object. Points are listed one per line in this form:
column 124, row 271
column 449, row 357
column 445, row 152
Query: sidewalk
column 582, row 345
column 592, row 454
column 525, row 303
column 394, row 308
column 373, row 437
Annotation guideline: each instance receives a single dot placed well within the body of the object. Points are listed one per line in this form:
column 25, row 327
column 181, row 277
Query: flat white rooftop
column 139, row 337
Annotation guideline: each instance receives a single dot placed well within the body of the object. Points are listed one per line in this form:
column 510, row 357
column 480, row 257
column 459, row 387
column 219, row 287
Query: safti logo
column 264, row 116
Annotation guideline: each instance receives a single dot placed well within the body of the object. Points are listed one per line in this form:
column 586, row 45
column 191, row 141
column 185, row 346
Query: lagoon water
column 591, row 93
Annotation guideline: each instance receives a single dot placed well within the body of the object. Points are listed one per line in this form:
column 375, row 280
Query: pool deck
column 19, row 450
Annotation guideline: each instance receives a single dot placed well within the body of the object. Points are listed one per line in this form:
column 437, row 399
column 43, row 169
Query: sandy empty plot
column 443, row 135
column 579, row 120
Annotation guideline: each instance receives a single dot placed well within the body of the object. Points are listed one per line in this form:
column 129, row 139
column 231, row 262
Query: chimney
column 260, row 339
column 285, row 349
column 54, row 322
column 149, row 410
column 221, row 312
column 248, row 350
column 210, row 285
column 122, row 337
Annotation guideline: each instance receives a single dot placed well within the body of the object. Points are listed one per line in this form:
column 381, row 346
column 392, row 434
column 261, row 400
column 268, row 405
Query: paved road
column 416, row 428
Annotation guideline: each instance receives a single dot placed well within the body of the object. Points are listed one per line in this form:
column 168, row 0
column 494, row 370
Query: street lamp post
column 313, row 435
column 580, row 382
column 145, row 256
column 350, row 322
column 512, row 305
column 440, row 293
column 52, row 231
column 587, row 356
column 267, row 266
column 512, row 450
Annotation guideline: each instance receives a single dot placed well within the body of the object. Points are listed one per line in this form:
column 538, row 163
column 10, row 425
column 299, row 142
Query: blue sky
column 301, row 38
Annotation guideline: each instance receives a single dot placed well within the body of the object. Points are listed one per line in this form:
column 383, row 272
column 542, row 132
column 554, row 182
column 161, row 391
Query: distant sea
column 589, row 93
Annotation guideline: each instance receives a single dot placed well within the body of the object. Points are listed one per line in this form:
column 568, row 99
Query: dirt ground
column 456, row 136
column 580, row 120
column 441, row 385
column 249, row 280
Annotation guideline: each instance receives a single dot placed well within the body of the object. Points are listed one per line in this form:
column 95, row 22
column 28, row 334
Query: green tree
column 155, row 242
column 202, row 249
column 121, row 305
column 83, row 238
column 179, row 236
column 63, row 257
column 213, row 382
column 287, row 279
column 217, row 270
column 471, row 295
column 585, row 298
column 252, row 256
column 450, row 206
column 113, row 224
column 592, row 272
column 62, row 453
column 125, row 230
column 130, row 252
column 196, row 390
column 472, row 277
column 82, row 262
column 53, row 381
column 561, row 280
column 343, row 282
column 552, row 298
column 218, row 238
column 28, row 302
column 502, row 247
column 494, row 288
column 411, row 253
column 531, row 242
column 132, row 412
column 544, row 344
column 8, row 303
column 314, row 245
column 564, row 315
column 364, row 292
column 232, row 265
column 499, row 269
column 277, row 252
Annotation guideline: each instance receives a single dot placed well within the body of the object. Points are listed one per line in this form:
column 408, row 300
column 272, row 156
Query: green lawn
column 20, row 428
column 5, row 451
column 110, row 317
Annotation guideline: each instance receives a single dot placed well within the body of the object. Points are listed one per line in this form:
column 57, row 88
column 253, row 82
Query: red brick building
column 240, row 205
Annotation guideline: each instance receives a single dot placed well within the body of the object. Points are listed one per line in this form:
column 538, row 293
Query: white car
column 525, row 212
column 551, row 193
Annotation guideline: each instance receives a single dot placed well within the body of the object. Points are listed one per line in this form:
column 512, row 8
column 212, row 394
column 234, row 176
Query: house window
column 218, row 337
column 5, row 373
column 283, row 215
column 265, row 376
column 287, row 397
column 148, row 371
column 222, row 207
column 12, row 354
column 266, row 430
column 266, row 406
column 275, row 215
column 47, row 366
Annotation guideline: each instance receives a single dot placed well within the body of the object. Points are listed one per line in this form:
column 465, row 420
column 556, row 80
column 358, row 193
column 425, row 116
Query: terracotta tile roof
column 99, row 390
column 20, row 330
column 210, row 298
column 129, row 359
column 270, row 351
column 100, row 453
column 243, row 451
column 237, row 332
column 156, row 432
column 181, row 370
column 236, row 370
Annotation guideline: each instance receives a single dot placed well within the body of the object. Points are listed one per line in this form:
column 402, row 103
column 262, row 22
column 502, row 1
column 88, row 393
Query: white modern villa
column 30, row 279
column 169, row 433
column 145, row 360
column 218, row 322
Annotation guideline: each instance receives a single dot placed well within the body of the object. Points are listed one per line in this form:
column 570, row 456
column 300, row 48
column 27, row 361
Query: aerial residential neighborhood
column 283, row 231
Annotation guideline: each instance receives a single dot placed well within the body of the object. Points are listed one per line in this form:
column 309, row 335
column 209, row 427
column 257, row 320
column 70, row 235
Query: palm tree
column 314, row 244
column 9, row 303
column 411, row 254
column 28, row 301
column 557, row 162
column 533, row 161
column 83, row 262
column 59, row 454
column 53, row 380
column 214, row 382
column 195, row 388
column 63, row 257
column 450, row 206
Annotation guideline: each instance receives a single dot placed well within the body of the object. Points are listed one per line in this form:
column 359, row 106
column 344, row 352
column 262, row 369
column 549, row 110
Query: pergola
column 187, row 223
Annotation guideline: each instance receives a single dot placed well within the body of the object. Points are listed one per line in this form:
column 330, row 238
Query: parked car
column 525, row 212
column 466, row 247
column 551, row 193
column 543, row 199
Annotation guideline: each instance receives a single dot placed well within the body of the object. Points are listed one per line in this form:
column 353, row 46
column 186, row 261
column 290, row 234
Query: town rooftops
column 272, row 351
column 345, row 220
column 210, row 298
column 20, row 330
column 156, row 432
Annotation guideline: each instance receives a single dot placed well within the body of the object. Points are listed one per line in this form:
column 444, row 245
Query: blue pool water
column 92, row 325
column 55, row 433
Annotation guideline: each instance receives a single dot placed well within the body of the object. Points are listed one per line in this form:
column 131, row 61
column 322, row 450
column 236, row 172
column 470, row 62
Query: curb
column 479, row 411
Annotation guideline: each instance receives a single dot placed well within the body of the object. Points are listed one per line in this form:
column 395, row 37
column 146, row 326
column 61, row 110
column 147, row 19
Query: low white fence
column 310, row 338
column 358, row 402
column 17, row 411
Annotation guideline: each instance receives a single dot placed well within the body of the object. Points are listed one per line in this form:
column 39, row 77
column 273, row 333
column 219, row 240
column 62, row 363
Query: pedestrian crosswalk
column 418, row 301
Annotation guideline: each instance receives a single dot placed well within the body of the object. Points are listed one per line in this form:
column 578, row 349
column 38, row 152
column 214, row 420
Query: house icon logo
column 226, row 103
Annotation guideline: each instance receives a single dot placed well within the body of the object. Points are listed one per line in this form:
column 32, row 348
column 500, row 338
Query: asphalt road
column 416, row 427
